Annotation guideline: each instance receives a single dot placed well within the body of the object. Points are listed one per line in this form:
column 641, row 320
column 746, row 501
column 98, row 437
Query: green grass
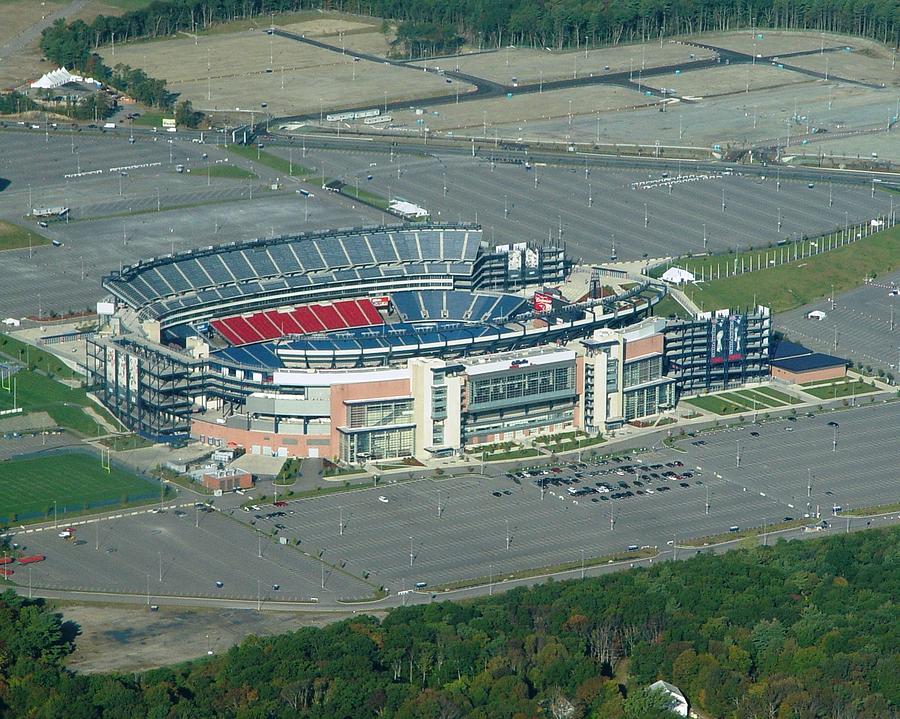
column 669, row 306
column 279, row 164
column 798, row 283
column 718, row 404
column 369, row 198
column 775, row 394
column 762, row 401
column 44, row 361
column 14, row 237
column 226, row 171
column 36, row 392
column 74, row 480
column 840, row 389
column 151, row 118
column 514, row 454
column 125, row 442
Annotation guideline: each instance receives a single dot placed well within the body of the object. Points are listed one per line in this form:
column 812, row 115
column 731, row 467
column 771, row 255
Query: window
column 375, row 414
column 521, row 385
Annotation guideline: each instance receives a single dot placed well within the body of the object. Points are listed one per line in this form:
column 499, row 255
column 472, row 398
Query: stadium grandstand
column 209, row 328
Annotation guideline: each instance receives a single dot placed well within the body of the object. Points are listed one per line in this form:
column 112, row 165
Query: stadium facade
column 388, row 342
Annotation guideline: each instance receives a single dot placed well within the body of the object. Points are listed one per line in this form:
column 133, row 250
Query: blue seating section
column 366, row 254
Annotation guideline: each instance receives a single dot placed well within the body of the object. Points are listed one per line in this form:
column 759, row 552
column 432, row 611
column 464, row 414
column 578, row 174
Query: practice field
column 221, row 73
column 527, row 66
column 870, row 65
column 75, row 481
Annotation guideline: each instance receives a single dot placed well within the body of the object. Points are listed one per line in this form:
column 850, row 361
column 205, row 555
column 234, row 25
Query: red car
column 279, row 503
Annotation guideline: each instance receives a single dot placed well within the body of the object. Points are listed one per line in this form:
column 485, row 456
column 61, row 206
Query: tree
column 186, row 116
column 649, row 703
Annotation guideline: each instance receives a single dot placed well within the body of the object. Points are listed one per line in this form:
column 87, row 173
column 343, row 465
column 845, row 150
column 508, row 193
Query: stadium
column 284, row 345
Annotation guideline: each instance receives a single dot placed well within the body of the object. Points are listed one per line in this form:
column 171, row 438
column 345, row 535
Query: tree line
column 805, row 630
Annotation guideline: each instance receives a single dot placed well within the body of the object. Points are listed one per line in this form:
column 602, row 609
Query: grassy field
column 718, row 404
column 668, row 306
column 151, row 118
column 74, row 481
column 365, row 196
column 279, row 164
column 840, row 389
column 16, row 349
column 775, row 394
column 14, row 237
column 37, row 390
column 227, row 171
column 792, row 285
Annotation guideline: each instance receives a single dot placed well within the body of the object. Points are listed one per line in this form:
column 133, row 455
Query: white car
column 384, row 499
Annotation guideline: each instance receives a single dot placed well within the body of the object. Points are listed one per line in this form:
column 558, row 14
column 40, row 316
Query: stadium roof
column 811, row 361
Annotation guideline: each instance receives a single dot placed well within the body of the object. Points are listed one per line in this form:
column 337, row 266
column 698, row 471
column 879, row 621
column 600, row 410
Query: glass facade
column 648, row 401
column 381, row 413
column 533, row 384
column 642, row 371
column 381, row 443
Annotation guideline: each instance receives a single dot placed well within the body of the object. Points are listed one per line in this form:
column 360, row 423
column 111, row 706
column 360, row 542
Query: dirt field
column 238, row 77
column 725, row 79
column 527, row 65
column 18, row 15
column 853, row 66
column 586, row 101
column 20, row 59
column 129, row 639
column 774, row 42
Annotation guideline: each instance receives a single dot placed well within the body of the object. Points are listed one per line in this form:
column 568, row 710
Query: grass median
column 15, row 237
column 572, row 566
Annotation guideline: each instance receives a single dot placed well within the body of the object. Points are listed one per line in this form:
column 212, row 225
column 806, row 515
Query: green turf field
column 775, row 394
column 28, row 487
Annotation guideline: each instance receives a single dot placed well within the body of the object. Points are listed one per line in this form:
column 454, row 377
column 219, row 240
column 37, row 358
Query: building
column 677, row 702
column 226, row 480
column 624, row 376
column 796, row 364
column 718, row 350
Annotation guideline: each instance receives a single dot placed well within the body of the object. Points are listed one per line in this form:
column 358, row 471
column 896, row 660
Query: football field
column 75, row 481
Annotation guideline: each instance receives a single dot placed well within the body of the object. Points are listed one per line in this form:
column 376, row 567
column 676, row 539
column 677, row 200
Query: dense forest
column 801, row 630
column 431, row 26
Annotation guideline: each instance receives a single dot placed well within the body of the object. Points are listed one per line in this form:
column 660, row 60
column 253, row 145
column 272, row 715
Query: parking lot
column 182, row 552
column 447, row 529
column 438, row 531
column 109, row 229
column 601, row 207
column 861, row 326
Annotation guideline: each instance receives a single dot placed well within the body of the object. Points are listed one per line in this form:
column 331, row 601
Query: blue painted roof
column 811, row 361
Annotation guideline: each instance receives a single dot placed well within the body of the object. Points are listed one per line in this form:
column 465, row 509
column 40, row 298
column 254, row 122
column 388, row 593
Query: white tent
column 677, row 276
column 55, row 78
column 59, row 77
column 677, row 703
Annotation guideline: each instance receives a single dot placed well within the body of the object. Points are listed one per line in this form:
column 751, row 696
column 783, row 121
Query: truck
column 109, row 126
column 179, row 169
column 32, row 559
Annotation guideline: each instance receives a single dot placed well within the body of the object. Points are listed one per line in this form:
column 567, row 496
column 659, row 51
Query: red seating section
column 271, row 324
